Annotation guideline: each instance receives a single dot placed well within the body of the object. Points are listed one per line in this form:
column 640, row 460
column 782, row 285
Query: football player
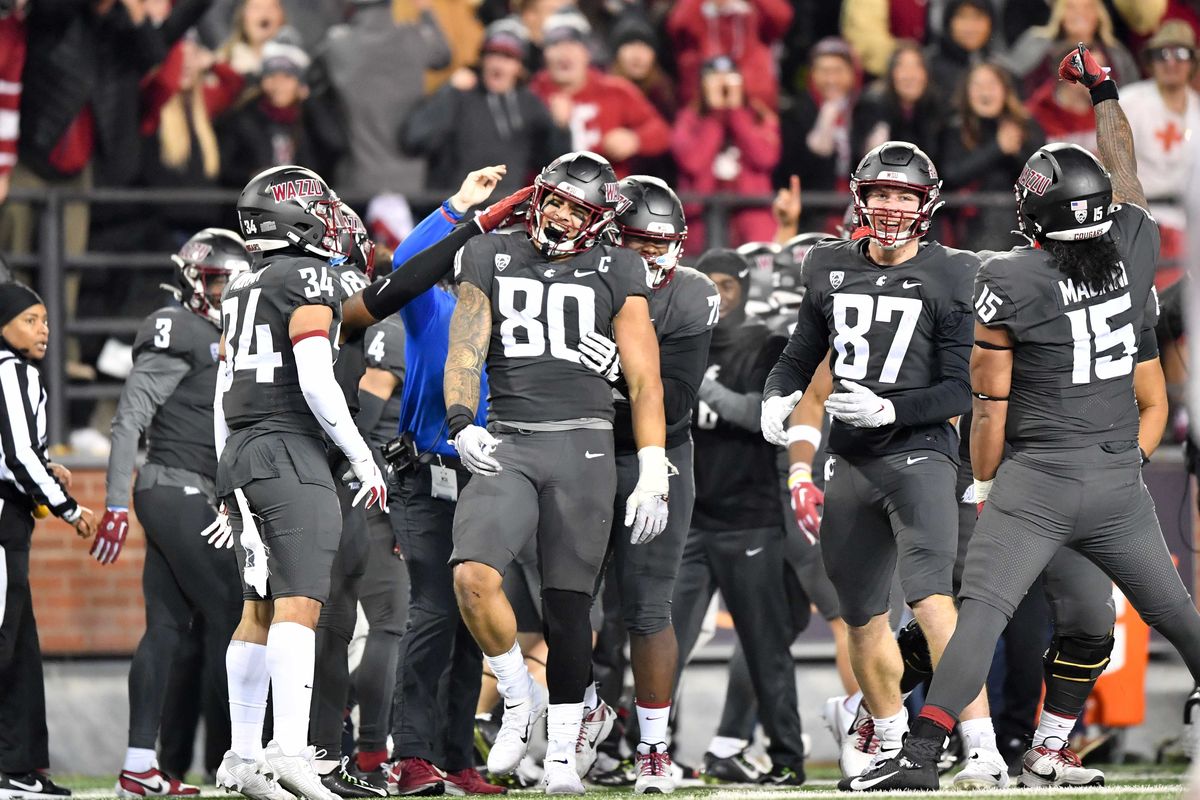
column 1056, row 340
column 684, row 307
column 545, row 464
column 168, row 395
column 895, row 312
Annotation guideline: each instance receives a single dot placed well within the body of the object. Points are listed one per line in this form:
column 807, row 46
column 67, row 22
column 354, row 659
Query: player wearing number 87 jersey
column 545, row 467
column 895, row 313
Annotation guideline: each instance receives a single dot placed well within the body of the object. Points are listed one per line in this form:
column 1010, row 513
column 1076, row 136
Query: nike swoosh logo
column 910, row 284
column 858, row 784
column 37, row 785
column 912, row 460
column 384, row 285
column 586, row 454
column 754, row 552
column 328, row 421
column 158, row 785
column 583, row 273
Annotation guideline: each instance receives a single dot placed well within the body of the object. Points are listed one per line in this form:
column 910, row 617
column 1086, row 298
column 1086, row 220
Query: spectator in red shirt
column 744, row 30
column 726, row 141
column 12, row 62
column 605, row 114
column 1064, row 110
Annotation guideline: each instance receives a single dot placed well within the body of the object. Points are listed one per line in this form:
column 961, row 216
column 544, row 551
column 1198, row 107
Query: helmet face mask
column 204, row 266
column 651, row 222
column 574, row 201
column 362, row 247
column 898, row 167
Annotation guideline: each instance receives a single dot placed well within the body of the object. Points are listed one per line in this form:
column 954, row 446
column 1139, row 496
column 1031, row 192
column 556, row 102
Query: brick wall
column 83, row 607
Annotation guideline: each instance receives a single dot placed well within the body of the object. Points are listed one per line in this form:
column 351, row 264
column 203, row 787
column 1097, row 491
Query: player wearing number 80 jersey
column 894, row 312
column 525, row 302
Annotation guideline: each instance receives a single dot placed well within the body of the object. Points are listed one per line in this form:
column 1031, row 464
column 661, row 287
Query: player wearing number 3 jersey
column 895, row 313
column 545, row 466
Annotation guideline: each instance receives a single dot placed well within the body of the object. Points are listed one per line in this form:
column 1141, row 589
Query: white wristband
column 982, row 490
column 804, row 433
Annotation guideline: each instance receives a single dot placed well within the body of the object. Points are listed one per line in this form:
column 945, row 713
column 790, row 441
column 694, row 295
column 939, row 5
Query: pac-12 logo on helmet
column 899, row 165
column 574, row 199
column 292, row 207
column 204, row 265
column 651, row 219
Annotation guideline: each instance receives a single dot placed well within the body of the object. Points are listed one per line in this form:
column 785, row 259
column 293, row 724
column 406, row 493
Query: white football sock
column 513, row 680
column 246, row 671
column 562, row 731
column 1053, row 725
column 892, row 729
column 978, row 733
column 591, row 699
column 140, row 759
column 652, row 722
column 726, row 746
column 291, row 654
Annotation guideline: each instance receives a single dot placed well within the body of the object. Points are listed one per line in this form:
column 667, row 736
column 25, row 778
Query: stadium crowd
column 395, row 102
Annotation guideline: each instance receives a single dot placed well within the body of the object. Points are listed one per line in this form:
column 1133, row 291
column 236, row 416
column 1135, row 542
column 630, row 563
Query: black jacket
column 252, row 139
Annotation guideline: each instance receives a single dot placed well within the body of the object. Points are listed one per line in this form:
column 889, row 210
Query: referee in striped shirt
column 27, row 480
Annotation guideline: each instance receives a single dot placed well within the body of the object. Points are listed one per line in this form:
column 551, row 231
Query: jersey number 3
column 521, row 305
column 850, row 335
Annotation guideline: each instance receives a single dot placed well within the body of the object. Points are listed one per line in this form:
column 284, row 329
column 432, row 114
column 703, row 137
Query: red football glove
column 110, row 536
column 499, row 213
column 1078, row 66
column 806, row 498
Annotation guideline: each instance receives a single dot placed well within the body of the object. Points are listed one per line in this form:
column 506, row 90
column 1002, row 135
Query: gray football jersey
column 540, row 311
column 255, row 312
column 1074, row 349
column 385, row 350
column 351, row 362
column 181, row 433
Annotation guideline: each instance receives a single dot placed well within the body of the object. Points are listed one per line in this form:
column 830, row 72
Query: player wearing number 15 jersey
column 1056, row 343
column 895, row 312
column 276, row 397
column 545, row 466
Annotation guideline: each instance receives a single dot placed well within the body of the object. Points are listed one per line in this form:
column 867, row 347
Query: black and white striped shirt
column 23, row 436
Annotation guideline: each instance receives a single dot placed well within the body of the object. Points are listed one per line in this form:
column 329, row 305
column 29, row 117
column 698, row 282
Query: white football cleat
column 297, row 773
column 985, row 769
column 242, row 775
column 596, row 726
column 838, row 719
column 512, row 740
column 560, row 777
column 861, row 746
column 654, row 770
column 1042, row 767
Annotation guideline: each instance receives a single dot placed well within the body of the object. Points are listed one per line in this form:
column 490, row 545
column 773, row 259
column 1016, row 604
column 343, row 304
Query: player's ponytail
column 1094, row 263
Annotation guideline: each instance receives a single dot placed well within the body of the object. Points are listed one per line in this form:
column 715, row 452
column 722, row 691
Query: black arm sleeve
column 805, row 349
column 683, row 362
column 950, row 393
column 370, row 411
column 386, row 297
column 1148, row 346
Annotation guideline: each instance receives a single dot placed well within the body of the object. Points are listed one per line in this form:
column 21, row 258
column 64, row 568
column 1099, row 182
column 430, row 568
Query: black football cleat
column 343, row 784
column 914, row 768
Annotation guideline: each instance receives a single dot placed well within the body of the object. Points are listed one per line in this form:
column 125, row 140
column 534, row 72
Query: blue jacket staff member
column 28, row 482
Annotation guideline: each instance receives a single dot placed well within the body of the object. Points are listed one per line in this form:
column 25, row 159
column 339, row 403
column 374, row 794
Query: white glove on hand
column 775, row 411
column 646, row 508
column 372, row 485
column 860, row 407
column 599, row 354
column 220, row 531
column 475, row 447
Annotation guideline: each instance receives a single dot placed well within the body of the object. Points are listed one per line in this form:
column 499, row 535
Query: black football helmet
column 1064, row 193
column 761, row 258
column 206, row 258
column 652, row 210
column 901, row 165
column 787, row 273
column 584, row 179
column 293, row 207
column 362, row 253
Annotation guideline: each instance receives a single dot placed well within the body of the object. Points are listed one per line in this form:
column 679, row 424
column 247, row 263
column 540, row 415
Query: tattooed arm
column 470, row 330
column 1115, row 140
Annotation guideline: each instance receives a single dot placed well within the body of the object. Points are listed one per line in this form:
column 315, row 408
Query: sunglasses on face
column 1178, row 53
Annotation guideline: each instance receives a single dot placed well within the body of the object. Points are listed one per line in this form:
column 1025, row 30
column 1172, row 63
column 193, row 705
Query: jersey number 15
column 1093, row 334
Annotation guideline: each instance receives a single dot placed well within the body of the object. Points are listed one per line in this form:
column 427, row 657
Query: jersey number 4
column 521, row 305
column 264, row 359
column 853, row 315
column 1092, row 331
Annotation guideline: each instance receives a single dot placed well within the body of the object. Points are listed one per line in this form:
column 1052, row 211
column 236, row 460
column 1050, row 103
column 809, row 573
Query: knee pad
column 1077, row 658
column 568, row 632
column 914, row 652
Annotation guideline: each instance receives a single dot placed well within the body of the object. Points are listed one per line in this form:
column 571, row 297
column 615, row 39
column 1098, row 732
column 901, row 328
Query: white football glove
column 860, row 407
column 646, row 508
column 475, row 447
column 372, row 486
column 220, row 531
column 599, row 354
column 775, row 411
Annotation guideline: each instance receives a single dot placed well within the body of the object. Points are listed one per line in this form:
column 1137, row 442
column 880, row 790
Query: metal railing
column 50, row 263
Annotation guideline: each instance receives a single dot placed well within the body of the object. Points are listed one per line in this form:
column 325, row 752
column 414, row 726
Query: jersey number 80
column 521, row 304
